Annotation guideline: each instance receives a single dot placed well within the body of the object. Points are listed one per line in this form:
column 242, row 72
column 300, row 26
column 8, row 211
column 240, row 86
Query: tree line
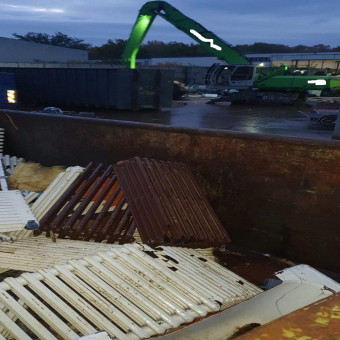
column 113, row 49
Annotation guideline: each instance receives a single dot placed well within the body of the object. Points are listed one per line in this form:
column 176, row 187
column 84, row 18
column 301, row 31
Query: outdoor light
column 11, row 96
column 261, row 65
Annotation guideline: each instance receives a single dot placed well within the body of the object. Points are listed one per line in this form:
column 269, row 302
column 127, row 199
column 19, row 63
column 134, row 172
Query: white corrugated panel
column 15, row 213
column 2, row 139
column 129, row 292
column 33, row 253
column 3, row 182
column 31, row 196
column 55, row 190
column 223, row 285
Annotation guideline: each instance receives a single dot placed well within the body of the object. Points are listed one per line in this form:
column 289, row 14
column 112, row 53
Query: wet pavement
column 195, row 113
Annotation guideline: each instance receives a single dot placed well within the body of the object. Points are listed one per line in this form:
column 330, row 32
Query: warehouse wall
column 13, row 50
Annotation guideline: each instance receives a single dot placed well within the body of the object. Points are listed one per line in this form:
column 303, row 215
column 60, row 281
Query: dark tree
column 57, row 39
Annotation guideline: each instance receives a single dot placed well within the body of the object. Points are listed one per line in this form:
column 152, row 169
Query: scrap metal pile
column 162, row 200
column 81, row 274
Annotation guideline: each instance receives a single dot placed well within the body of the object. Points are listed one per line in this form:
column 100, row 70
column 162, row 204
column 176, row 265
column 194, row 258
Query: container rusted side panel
column 168, row 205
column 320, row 320
column 92, row 208
column 277, row 195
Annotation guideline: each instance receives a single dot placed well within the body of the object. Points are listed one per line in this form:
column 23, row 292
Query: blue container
column 8, row 95
column 89, row 87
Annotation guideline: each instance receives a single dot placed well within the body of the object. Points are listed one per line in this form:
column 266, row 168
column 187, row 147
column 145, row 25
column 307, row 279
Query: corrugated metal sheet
column 93, row 207
column 33, row 253
column 168, row 205
column 2, row 139
column 3, row 182
column 9, row 163
column 15, row 213
column 161, row 199
column 54, row 191
column 127, row 292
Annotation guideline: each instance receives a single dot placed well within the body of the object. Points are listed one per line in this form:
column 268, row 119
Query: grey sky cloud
column 237, row 21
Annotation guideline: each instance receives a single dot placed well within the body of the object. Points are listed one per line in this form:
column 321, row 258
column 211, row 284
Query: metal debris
column 2, row 139
column 54, row 191
column 301, row 285
column 91, row 208
column 10, row 163
column 160, row 199
column 3, row 182
column 15, row 213
column 320, row 320
column 126, row 292
column 33, row 253
column 30, row 197
column 168, row 205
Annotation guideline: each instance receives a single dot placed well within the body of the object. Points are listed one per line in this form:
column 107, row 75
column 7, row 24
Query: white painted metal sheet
column 15, row 213
column 3, row 182
column 129, row 292
column 54, row 191
column 223, row 286
column 2, row 139
column 33, row 253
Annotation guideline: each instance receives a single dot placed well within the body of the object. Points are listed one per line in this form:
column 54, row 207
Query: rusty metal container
column 276, row 195
column 115, row 88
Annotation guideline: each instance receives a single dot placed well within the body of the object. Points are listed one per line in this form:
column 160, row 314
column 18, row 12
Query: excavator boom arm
column 215, row 45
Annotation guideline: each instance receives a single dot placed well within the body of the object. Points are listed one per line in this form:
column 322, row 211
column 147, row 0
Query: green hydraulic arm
column 215, row 45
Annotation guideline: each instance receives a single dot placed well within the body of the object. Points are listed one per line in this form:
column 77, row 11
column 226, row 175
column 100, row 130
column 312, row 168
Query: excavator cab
column 230, row 76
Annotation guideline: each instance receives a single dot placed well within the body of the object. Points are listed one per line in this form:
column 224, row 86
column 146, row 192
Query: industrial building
column 322, row 60
column 19, row 51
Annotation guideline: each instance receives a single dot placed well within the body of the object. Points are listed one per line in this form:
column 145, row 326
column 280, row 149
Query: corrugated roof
column 168, row 205
column 161, row 199
column 130, row 292
column 15, row 213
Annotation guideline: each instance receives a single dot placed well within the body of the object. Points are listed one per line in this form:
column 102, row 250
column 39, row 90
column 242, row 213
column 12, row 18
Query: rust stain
column 320, row 320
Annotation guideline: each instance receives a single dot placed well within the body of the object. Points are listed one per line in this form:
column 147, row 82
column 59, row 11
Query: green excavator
column 237, row 79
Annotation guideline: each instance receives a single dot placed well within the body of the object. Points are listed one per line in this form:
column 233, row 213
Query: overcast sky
column 290, row 22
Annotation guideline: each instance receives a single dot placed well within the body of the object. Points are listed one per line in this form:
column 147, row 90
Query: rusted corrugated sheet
column 161, row 199
column 320, row 320
column 168, row 205
column 93, row 207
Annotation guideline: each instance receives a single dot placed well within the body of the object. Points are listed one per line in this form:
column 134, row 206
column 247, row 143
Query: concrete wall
column 272, row 194
column 12, row 50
